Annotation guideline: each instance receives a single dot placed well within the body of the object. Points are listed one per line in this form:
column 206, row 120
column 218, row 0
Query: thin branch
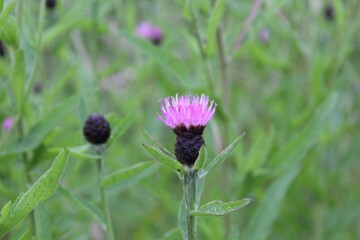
column 249, row 20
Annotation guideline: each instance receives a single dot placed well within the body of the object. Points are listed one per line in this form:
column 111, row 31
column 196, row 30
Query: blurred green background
column 292, row 85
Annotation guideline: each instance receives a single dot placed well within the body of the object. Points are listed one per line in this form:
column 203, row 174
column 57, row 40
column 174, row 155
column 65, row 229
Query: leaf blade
column 219, row 208
column 41, row 190
column 164, row 159
column 222, row 156
column 125, row 174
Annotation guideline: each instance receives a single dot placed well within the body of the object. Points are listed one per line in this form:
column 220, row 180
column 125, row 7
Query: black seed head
column 2, row 49
column 156, row 40
column 329, row 12
column 50, row 4
column 188, row 144
column 96, row 129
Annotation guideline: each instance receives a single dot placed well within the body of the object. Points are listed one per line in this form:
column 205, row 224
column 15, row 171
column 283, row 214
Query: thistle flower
column 187, row 116
column 8, row 124
column 96, row 129
column 150, row 32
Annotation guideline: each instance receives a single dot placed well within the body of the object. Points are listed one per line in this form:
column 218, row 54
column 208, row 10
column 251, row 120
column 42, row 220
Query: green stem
column 190, row 188
column 105, row 206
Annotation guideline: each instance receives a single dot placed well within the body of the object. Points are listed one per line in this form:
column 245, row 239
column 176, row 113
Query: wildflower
column 2, row 49
column 150, row 32
column 96, row 129
column 8, row 124
column 187, row 116
column 50, row 4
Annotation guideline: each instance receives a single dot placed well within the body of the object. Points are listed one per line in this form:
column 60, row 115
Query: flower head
column 187, row 116
column 187, row 111
column 150, row 32
column 96, row 129
column 8, row 124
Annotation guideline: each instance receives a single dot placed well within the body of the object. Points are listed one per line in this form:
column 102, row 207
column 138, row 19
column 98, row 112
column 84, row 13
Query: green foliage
column 220, row 208
column 125, row 174
column 41, row 190
column 221, row 157
column 292, row 86
column 164, row 159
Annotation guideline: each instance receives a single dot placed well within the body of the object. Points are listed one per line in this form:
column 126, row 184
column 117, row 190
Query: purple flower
column 188, row 111
column 150, row 32
column 187, row 116
column 8, row 124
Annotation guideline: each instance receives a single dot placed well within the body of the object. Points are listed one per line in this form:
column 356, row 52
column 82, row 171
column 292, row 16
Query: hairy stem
column 105, row 206
column 190, row 188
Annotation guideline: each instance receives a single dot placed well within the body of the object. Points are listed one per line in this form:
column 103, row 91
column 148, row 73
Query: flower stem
column 190, row 194
column 109, row 229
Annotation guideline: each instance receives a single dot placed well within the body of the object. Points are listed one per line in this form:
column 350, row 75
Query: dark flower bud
column 97, row 129
column 188, row 144
column 50, row 4
column 329, row 12
column 2, row 49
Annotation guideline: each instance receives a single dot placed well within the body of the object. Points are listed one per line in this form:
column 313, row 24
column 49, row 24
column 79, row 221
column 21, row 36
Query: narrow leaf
column 201, row 159
column 43, row 227
column 125, row 174
column 220, row 208
column 165, row 59
column 18, row 80
column 119, row 126
column 85, row 207
column 5, row 13
column 153, row 141
column 42, row 189
column 221, row 157
column 164, row 159
column 38, row 132
column 214, row 21
column 26, row 235
column 269, row 208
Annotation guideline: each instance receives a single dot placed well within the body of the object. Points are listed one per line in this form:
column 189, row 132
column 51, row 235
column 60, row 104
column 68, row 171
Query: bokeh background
column 291, row 83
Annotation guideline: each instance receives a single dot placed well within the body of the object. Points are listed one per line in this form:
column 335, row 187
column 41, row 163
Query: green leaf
column 153, row 141
column 172, row 234
column 164, row 159
column 269, row 208
column 42, row 221
column 9, row 32
column 41, row 190
column 214, row 21
column 6, row 13
column 201, row 159
column 37, row 133
column 85, row 207
column 125, row 174
column 82, row 152
column 118, row 126
column 221, row 157
column 26, row 235
column 18, row 81
column 165, row 59
column 220, row 208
